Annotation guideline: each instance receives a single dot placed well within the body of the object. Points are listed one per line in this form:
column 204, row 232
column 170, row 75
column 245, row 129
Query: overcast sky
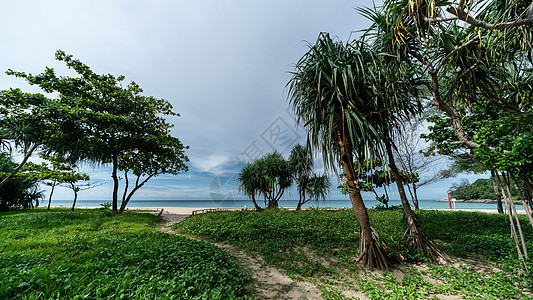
column 222, row 64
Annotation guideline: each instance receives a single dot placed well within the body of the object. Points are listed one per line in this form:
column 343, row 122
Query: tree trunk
column 416, row 197
column 499, row 204
column 370, row 254
column 75, row 195
column 51, row 193
column 27, row 155
column 521, row 195
column 257, row 207
column 511, row 222
column 137, row 186
column 417, row 239
column 115, row 183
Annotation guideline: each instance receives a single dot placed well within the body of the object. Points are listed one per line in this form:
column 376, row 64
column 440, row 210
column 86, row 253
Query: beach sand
column 189, row 210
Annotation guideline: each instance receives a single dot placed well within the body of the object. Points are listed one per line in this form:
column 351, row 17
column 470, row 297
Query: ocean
column 424, row 204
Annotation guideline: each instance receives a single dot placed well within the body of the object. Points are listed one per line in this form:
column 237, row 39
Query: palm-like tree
column 401, row 85
column 333, row 93
column 309, row 185
column 250, row 182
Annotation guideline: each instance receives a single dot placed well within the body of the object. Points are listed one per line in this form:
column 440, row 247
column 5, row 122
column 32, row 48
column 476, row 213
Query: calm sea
column 424, row 204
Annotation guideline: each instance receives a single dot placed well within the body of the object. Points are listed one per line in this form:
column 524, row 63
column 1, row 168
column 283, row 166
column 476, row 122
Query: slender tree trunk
column 499, row 205
column 416, row 197
column 418, row 239
column 529, row 189
column 511, row 222
column 257, row 207
column 126, row 186
column 370, row 254
column 27, row 155
column 75, row 195
column 507, row 182
column 51, row 193
column 137, row 186
column 300, row 199
column 526, row 208
column 386, row 197
column 115, row 182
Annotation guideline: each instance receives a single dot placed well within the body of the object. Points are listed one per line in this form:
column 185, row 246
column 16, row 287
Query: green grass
column 322, row 245
column 93, row 254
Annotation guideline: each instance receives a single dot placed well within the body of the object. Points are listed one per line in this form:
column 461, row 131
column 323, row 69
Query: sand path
column 267, row 282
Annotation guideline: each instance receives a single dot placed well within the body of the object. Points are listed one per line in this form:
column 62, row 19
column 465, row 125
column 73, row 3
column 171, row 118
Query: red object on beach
column 449, row 201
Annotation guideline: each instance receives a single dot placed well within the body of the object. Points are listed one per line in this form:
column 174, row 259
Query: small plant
column 105, row 205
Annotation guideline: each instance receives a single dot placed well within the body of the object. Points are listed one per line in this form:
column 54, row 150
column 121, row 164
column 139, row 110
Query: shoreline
column 190, row 210
column 482, row 201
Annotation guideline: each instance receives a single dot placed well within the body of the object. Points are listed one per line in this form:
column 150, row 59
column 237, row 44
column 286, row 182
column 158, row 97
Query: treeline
column 479, row 189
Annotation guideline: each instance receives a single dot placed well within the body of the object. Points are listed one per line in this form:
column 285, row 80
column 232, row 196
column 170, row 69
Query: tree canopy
column 107, row 122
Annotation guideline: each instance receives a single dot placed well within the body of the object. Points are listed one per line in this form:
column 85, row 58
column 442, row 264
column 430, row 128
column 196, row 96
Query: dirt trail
column 267, row 282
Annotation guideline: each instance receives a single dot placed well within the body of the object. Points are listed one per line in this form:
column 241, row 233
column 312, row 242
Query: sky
column 223, row 65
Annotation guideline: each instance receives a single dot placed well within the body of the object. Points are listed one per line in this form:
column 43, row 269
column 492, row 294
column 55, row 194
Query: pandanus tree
column 249, row 182
column 333, row 94
column 309, row 184
column 477, row 55
column 268, row 176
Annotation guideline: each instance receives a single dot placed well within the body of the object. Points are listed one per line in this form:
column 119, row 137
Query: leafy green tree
column 479, row 189
column 375, row 175
column 332, row 93
column 17, row 191
column 58, row 171
column 29, row 122
column 162, row 154
column 473, row 55
column 111, row 122
column 309, row 184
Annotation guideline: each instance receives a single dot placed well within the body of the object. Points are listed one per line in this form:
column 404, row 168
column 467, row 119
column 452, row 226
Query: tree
column 275, row 177
column 475, row 56
column 268, row 176
column 411, row 159
column 29, row 122
column 309, row 184
column 250, row 182
column 111, row 122
column 60, row 171
column 162, row 154
column 374, row 174
column 332, row 93
column 17, row 191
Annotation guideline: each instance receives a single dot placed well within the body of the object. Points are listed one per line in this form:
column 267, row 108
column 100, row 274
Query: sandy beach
column 189, row 210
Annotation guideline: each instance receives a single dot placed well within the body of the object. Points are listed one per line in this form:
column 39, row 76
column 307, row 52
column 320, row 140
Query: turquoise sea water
column 424, row 204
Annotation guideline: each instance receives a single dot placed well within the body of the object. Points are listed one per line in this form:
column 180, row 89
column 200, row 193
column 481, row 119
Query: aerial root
column 370, row 254
column 418, row 241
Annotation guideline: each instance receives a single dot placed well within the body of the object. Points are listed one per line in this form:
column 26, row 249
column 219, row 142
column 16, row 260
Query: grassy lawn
column 93, row 254
column 320, row 246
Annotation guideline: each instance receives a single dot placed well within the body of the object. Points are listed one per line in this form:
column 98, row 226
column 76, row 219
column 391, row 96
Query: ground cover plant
column 321, row 246
column 94, row 254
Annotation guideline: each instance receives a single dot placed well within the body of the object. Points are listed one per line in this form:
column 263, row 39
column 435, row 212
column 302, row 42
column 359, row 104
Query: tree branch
column 463, row 16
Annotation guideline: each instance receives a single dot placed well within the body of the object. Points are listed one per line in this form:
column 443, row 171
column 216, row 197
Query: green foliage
column 108, row 123
column 94, row 254
column 268, row 176
column 479, row 189
column 19, row 191
column 321, row 245
column 309, row 184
